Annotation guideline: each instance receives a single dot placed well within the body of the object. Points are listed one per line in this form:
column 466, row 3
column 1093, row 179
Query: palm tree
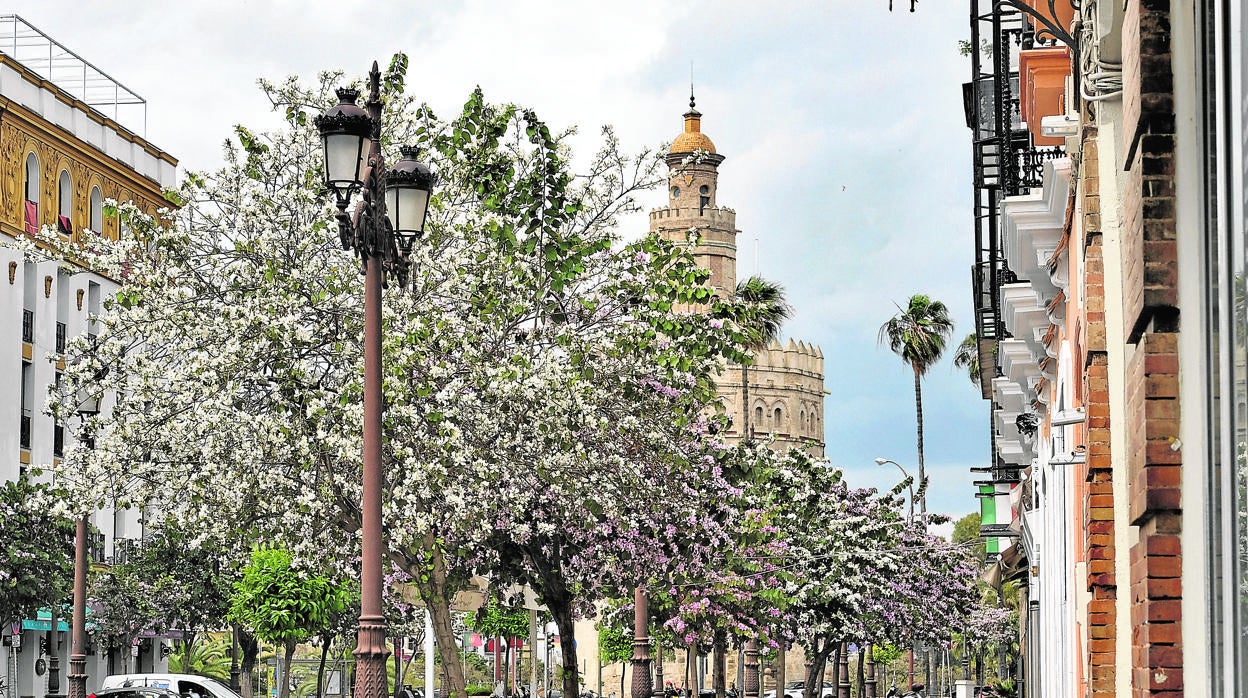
column 766, row 310
column 966, row 356
column 918, row 335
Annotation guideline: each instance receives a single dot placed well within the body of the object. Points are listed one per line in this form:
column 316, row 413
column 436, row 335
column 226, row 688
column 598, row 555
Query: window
column 58, row 441
column 777, row 418
column 32, row 178
column 64, row 203
column 758, row 417
column 27, row 400
column 96, row 215
column 28, row 326
column 704, row 198
column 60, row 338
column 31, row 208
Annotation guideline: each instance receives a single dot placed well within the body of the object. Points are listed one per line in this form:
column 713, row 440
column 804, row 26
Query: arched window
column 96, row 220
column 801, row 420
column 64, row 202
column 776, row 414
column 704, row 197
column 758, row 416
column 32, row 178
column 30, row 210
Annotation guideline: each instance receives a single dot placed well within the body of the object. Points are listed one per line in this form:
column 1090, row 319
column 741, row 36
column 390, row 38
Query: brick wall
column 1098, row 504
column 1154, row 458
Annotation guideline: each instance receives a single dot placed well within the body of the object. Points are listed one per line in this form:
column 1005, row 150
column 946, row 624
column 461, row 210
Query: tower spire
column 692, row 106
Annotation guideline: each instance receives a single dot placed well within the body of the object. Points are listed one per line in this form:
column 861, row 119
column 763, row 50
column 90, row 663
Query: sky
column 848, row 157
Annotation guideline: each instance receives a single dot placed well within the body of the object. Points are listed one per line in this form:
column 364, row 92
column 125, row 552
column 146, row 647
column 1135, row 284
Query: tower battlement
column 793, row 355
column 712, row 216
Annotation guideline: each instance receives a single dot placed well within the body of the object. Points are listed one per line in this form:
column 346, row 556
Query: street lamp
column 387, row 221
column 642, row 682
column 910, row 485
column 87, row 408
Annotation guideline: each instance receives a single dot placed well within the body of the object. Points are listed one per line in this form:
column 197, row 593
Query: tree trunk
column 719, row 651
column 779, row 671
column 819, row 652
column 283, row 686
column 251, row 650
column 918, row 411
column 326, row 641
column 561, row 609
column 691, row 671
column 747, row 434
column 437, row 599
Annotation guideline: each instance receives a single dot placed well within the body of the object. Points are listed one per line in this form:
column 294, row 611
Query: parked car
column 184, row 685
column 797, row 689
column 134, row 692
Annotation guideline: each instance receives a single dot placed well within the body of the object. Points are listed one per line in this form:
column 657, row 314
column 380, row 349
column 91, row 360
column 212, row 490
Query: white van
column 186, row 685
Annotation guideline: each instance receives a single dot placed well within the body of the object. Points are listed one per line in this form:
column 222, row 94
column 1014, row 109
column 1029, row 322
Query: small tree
column 499, row 621
column 615, row 646
column 283, row 605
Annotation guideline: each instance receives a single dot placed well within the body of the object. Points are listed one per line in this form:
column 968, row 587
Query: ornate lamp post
column 642, row 687
column 387, row 221
column 87, row 408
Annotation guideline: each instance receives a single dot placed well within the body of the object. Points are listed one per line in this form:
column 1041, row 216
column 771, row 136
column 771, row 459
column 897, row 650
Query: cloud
column 847, row 155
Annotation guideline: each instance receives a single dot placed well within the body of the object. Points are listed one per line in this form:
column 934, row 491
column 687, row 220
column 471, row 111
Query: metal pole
column 642, row 686
column 234, row 674
column 54, row 659
column 660, row 687
column 871, row 686
column 78, row 642
column 371, row 652
column 750, row 685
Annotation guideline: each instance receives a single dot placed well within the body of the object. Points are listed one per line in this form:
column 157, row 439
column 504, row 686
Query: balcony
column 1042, row 81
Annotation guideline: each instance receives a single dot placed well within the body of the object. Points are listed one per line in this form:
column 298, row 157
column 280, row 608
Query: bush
column 479, row 689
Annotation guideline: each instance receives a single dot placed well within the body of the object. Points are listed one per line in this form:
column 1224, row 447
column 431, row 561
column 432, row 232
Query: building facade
column 1110, row 238
column 61, row 157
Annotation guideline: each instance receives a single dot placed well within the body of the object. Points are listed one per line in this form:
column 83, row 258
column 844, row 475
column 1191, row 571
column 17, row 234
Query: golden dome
column 693, row 138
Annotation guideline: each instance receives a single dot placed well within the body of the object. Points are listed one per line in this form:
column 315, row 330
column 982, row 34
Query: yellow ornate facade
column 107, row 167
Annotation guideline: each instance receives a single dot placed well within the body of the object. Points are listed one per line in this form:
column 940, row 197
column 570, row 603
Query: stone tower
column 692, row 180
column 786, row 380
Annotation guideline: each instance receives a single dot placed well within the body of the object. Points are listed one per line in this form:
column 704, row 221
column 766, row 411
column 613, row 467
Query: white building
column 62, row 153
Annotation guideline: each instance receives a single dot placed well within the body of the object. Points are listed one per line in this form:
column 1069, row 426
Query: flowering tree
column 36, row 565
column 543, row 394
column 843, row 544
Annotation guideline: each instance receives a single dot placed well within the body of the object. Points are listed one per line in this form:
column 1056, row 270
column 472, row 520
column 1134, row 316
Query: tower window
column 704, row 198
column 675, row 192
column 777, row 417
